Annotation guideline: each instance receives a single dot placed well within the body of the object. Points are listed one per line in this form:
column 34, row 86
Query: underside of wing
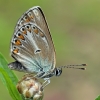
column 32, row 44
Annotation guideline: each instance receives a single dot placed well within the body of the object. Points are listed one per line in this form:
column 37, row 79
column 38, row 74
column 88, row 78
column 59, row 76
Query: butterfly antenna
column 74, row 66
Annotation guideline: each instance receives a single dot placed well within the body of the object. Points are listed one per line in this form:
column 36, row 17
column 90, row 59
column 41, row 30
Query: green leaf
column 4, row 65
column 9, row 79
column 98, row 98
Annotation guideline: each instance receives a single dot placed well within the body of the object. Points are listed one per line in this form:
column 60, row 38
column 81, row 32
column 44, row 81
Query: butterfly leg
column 45, row 83
column 28, row 74
column 38, row 75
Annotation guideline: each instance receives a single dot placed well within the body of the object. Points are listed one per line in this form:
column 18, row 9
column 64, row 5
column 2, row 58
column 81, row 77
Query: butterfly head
column 58, row 71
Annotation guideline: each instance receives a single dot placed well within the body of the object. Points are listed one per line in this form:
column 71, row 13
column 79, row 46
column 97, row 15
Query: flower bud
column 30, row 87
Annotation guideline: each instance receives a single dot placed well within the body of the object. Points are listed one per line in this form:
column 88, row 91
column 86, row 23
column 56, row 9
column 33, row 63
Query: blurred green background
column 75, row 29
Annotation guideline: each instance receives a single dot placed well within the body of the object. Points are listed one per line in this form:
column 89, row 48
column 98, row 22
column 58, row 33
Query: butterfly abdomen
column 17, row 66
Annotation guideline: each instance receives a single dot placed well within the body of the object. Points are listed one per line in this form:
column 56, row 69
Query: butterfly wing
column 32, row 44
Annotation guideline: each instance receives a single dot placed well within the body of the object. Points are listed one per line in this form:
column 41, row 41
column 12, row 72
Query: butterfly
column 32, row 47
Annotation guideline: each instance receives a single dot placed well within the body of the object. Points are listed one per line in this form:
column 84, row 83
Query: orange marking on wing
column 36, row 31
column 15, row 50
column 24, row 32
column 29, row 30
column 17, row 42
column 21, row 37
column 31, row 17
column 42, row 35
column 27, row 20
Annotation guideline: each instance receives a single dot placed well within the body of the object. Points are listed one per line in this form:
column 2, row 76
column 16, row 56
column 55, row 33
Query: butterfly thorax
column 56, row 72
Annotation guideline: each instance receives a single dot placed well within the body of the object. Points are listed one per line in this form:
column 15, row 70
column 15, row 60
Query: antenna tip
column 84, row 64
column 83, row 68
